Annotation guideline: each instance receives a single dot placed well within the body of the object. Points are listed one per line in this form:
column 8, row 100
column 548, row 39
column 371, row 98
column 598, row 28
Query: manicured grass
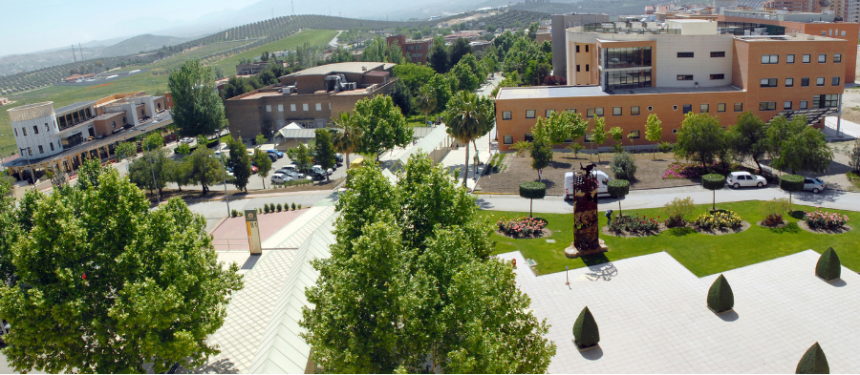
column 702, row 254
column 314, row 37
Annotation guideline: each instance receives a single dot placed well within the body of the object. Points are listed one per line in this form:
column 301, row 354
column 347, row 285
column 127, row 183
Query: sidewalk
column 849, row 130
column 456, row 159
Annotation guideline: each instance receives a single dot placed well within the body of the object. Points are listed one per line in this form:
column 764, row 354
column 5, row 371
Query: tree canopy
column 469, row 117
column 748, row 138
column 700, row 138
column 382, row 125
column 204, row 168
column 197, row 109
column 239, row 163
column 324, row 152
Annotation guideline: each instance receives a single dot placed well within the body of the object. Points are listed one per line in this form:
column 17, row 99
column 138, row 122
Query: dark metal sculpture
column 586, row 238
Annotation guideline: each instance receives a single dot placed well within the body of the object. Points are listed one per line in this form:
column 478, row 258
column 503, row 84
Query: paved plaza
column 653, row 317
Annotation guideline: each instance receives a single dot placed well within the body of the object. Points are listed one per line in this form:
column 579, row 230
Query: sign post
column 253, row 232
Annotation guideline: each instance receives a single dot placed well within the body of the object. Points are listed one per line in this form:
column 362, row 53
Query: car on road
column 814, row 184
column 280, row 178
column 739, row 179
column 187, row 140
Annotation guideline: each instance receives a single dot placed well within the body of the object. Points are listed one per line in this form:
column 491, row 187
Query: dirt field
column 649, row 173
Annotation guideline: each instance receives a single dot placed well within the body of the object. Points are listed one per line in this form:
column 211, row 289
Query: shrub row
column 271, row 207
column 633, row 224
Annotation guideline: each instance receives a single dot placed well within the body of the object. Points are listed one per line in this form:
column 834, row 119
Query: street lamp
column 151, row 168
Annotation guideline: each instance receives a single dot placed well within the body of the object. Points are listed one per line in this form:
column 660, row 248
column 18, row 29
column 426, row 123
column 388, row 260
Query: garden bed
column 523, row 228
column 782, row 224
column 720, row 231
column 627, row 234
column 839, row 230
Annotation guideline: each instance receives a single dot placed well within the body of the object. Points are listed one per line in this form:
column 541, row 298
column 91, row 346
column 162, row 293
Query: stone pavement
column 653, row 317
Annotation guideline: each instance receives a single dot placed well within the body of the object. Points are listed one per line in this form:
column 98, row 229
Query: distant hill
column 551, row 8
column 141, row 43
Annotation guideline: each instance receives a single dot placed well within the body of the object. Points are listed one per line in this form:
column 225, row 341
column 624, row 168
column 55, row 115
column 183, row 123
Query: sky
column 35, row 25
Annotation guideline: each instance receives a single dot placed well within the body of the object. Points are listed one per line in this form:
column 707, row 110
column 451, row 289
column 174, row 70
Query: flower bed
column 689, row 170
column 633, row 224
column 524, row 227
column 818, row 219
column 718, row 220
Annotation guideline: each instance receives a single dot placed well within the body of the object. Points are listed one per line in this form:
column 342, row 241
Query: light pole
column 224, row 164
column 566, row 277
column 151, row 168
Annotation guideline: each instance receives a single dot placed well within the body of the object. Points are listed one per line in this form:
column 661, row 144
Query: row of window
column 689, row 77
column 35, row 129
column 577, row 48
column 687, row 55
column 818, row 101
column 305, row 107
column 806, row 59
column 587, row 68
column 41, row 149
column 804, row 82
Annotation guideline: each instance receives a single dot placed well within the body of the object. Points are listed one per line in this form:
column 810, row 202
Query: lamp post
column 151, row 168
column 224, row 164
column 566, row 277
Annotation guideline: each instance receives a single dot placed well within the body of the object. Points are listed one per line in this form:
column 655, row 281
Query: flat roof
column 347, row 67
column 74, row 106
column 545, row 92
column 787, row 38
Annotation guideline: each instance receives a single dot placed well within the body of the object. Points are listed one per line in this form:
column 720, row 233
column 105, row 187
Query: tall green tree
column 197, row 109
column 239, row 163
column 402, row 97
column 204, row 168
column 301, row 156
column 113, row 285
column 700, row 138
column 264, row 164
column 152, row 142
column 468, row 73
column 413, row 75
column 382, row 125
column 346, row 136
column 780, row 130
column 180, row 174
column 153, row 163
column 10, row 231
column 443, row 86
column 425, row 102
column 653, row 129
column 617, row 135
column 748, row 138
column 125, row 150
column 459, row 49
column 598, row 136
column 468, row 118
column 324, row 150
column 438, row 58
column 410, row 274
column 805, row 151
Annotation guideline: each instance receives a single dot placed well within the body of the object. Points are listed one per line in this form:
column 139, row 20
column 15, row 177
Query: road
column 214, row 211
column 659, row 197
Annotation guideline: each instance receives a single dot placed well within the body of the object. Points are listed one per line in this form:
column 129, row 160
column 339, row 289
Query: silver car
column 814, row 185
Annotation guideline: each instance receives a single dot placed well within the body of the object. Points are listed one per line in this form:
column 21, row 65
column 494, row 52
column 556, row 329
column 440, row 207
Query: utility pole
column 224, row 164
column 151, row 168
column 81, row 51
column 74, row 56
column 293, row 6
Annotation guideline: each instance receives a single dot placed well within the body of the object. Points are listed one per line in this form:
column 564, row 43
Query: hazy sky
column 33, row 25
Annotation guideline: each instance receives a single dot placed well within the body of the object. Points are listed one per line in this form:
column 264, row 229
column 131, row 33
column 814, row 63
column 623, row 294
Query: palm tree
column 346, row 140
column 425, row 102
column 468, row 117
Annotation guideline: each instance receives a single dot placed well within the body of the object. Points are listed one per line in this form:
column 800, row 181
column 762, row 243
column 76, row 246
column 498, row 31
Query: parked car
column 815, row 185
column 280, row 178
column 291, row 170
column 602, row 183
column 745, row 179
column 272, row 157
column 339, row 158
column 187, row 140
column 230, row 172
column 319, row 169
column 277, row 153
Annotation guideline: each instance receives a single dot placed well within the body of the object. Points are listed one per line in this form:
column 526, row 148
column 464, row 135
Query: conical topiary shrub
column 813, row 361
column 585, row 333
column 828, row 267
column 720, row 296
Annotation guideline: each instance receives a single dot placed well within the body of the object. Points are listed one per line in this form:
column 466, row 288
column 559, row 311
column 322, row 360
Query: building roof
column 545, row 92
column 74, row 106
column 347, row 67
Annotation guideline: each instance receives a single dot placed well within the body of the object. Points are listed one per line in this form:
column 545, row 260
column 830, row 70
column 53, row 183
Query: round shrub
column 618, row 188
column 813, row 361
column 294, row 206
column 791, row 182
column 300, row 206
column 266, row 208
column 183, row 149
column 533, row 190
column 677, row 209
column 623, row 166
column 720, row 296
column 279, row 207
column 828, row 266
column 585, row 332
column 713, row 181
column 234, row 213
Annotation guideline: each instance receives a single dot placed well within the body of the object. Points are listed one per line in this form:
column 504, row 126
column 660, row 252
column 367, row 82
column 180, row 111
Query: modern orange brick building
column 416, row 50
column 625, row 74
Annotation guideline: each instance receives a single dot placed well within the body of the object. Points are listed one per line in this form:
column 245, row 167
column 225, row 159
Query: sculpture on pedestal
column 586, row 240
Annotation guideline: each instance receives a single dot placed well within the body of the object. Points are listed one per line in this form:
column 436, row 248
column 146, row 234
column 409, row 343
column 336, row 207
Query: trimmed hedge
column 713, row 181
column 618, row 188
column 791, row 182
column 585, row 332
column 828, row 266
column 720, row 296
column 813, row 361
column 533, row 190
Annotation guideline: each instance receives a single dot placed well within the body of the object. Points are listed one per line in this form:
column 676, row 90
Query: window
column 837, row 57
column 319, row 107
column 549, row 112
column 769, row 59
column 577, row 49
column 571, row 110
column 634, row 111
column 113, row 123
column 804, row 82
column 25, row 131
column 587, row 68
column 721, row 107
column 718, row 76
column 268, row 108
column 819, row 81
column 634, row 134
column 577, row 67
column 674, row 131
column 786, row 105
column 280, row 107
column 41, row 150
column 626, row 79
column 789, row 59
column 616, row 111
column 739, row 107
column 30, row 151
column 835, row 81
column 650, row 108
column 589, row 113
column 688, row 108
column 529, row 137
column 292, row 107
column 824, row 33
column 718, row 54
column 16, row 132
column 767, row 106
column 768, row 82
column 685, row 77
column 598, row 112
column 586, row 48
column 530, row 113
column 825, row 101
column 843, row 32
column 674, row 107
column 704, row 108
column 685, row 54
column 506, row 115
column 626, row 57
column 47, row 128
column 789, row 82
column 35, row 129
column 52, row 146
column 822, row 57
column 508, row 139
column 587, row 138
column 806, row 58
column 804, row 104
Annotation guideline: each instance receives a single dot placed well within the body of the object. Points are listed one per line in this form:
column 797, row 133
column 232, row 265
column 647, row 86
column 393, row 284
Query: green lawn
column 314, row 37
column 702, row 254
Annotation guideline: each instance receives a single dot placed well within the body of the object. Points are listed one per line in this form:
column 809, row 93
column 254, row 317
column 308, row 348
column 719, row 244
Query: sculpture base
column 572, row 252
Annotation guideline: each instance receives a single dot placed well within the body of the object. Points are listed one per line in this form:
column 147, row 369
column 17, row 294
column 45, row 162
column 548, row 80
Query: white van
column 602, row 179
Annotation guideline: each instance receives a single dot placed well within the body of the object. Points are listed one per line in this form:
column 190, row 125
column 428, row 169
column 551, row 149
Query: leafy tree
column 402, row 97
column 541, row 151
column 152, row 142
column 468, row 118
column 748, row 138
column 443, row 87
column 560, row 126
column 260, row 139
column 521, row 147
column 459, row 49
column 413, row 75
column 490, row 63
column 325, row 154
column 805, row 150
column 700, row 138
column 104, row 264
column 425, row 102
column 382, row 125
column 468, row 79
column 347, row 135
column 438, row 58
column 182, row 149
column 197, row 109
column 204, row 168
column 714, row 182
column 264, row 164
column 125, row 150
column 618, row 188
column 617, row 135
column 854, row 157
column 532, row 190
column 179, row 173
column 598, row 136
column 301, row 155
column 653, row 129
column 10, row 231
column 780, row 130
column 239, row 163
column 623, row 166
column 533, row 29
column 410, row 273
column 156, row 163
